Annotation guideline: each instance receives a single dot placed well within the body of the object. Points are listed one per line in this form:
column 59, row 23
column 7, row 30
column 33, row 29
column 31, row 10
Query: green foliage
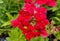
column 15, row 35
column 37, row 39
column 56, row 11
column 40, row 38
column 57, row 35
column 9, row 10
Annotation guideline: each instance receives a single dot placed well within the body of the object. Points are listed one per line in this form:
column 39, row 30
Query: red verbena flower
column 32, row 18
column 24, row 23
column 14, row 23
column 41, row 2
column 51, row 3
column 28, row 1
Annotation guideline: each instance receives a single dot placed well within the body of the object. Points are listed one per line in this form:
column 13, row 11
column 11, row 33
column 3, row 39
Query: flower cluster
column 51, row 3
column 32, row 18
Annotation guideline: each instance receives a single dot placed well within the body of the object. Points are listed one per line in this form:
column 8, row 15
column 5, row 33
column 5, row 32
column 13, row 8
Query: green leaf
column 38, row 39
column 1, row 1
column 6, row 23
column 9, row 16
column 46, row 39
column 58, row 35
column 54, row 9
column 41, row 39
column 56, row 18
column 15, row 35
